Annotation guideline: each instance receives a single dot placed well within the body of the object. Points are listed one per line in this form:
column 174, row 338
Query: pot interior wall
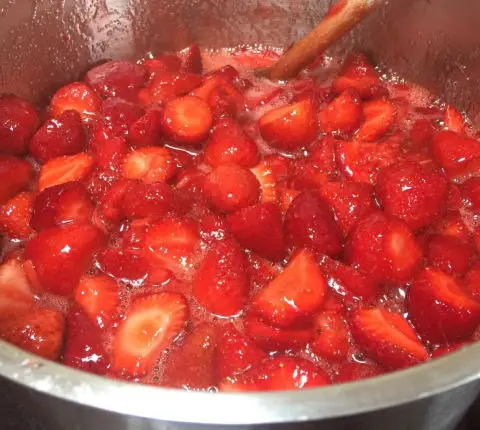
column 44, row 44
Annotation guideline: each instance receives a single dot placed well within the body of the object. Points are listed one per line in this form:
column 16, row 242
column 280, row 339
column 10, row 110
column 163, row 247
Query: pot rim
column 393, row 389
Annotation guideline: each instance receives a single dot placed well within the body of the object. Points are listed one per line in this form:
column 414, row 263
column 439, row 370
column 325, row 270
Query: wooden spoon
column 340, row 19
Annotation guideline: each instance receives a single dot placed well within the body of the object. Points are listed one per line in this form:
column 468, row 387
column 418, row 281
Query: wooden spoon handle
column 341, row 18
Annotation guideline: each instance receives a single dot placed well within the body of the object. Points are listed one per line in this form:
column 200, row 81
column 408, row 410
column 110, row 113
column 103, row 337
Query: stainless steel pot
column 44, row 44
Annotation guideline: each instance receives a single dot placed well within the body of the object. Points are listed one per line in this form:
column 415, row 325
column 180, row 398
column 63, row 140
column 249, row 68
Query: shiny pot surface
column 44, row 44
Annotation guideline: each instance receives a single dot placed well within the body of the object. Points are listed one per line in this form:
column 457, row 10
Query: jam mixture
column 179, row 222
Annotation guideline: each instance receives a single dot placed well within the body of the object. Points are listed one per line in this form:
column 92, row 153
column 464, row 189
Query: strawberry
column 260, row 229
column 151, row 324
column 61, row 204
column 166, row 86
column 309, row 223
column 191, row 59
column 260, row 270
column 387, row 338
column 235, row 354
column 147, row 130
column 453, row 225
column 65, row 169
column 357, row 74
column 412, row 192
column 287, row 195
column 421, row 133
column 162, row 64
column 378, row 117
column 191, row 366
column 293, row 295
column 149, row 164
column 265, row 175
column 384, row 247
column 221, row 284
column 229, row 144
column 470, row 280
column 255, row 58
column 143, row 200
column 350, row 201
column 98, row 297
column 230, row 187
column 15, row 175
column 39, row 331
column 278, row 373
column 78, row 97
column 187, row 120
column 84, row 344
column 273, row 339
column 18, row 122
column 60, row 255
column 343, row 115
column 354, row 371
column 212, row 228
column 470, row 190
column 289, row 127
column 15, row 291
column 15, row 216
column 445, row 350
column 120, row 115
column 453, row 120
column 117, row 79
column 440, row 311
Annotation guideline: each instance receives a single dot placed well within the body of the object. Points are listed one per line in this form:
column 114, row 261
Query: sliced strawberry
column 454, row 120
column 15, row 175
column 255, row 58
column 343, row 115
column 260, row 270
column 187, row 120
column 18, row 122
column 15, row 291
column 191, row 59
column 287, row 195
column 265, row 175
column 289, row 127
column 295, row 294
column 117, row 79
column 221, row 284
column 421, row 133
column 149, row 164
column 60, row 255
column 440, row 311
column 84, row 344
column 15, row 216
column 230, row 187
column 260, row 228
column 120, row 115
column 354, row 371
column 78, row 97
column 162, row 64
column 191, row 366
column 378, row 118
column 276, row 374
column 470, row 190
column 229, row 144
column 98, row 296
column 309, row 223
column 331, row 340
column 350, row 201
column 445, row 350
column 61, row 204
column 143, row 200
column 110, row 150
column 151, row 324
column 453, row 225
column 387, row 338
column 213, row 227
column 384, row 247
column 235, row 353
column 65, row 169
column 39, row 331
column 412, row 192
column 147, row 130
column 471, row 281
column 273, row 339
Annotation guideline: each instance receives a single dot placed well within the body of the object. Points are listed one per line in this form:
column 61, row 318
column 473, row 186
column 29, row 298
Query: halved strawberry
column 84, row 344
column 60, row 255
column 149, row 164
column 287, row 195
column 230, row 144
column 470, row 190
column 471, row 281
column 448, row 349
column 39, row 331
column 78, row 97
column 191, row 58
column 421, row 133
column 187, row 120
column 343, row 115
column 61, row 204
column 235, row 353
column 120, row 115
column 18, row 122
column 384, row 247
column 453, row 120
column 15, row 175
column 453, row 225
column 162, row 64
column 15, row 291
column 191, row 365
column 144, row 200
column 15, row 216
column 440, row 311
column 349, row 200
column 378, row 117
column 213, row 227
column 98, row 296
column 260, row 228
column 65, row 169
column 278, row 373
column 221, row 284
column 265, row 175
column 295, row 294
column 147, row 130
column 412, row 192
column 289, row 127
column 387, row 338
column 151, row 324
column 354, row 371
column 230, row 187
column 309, row 223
